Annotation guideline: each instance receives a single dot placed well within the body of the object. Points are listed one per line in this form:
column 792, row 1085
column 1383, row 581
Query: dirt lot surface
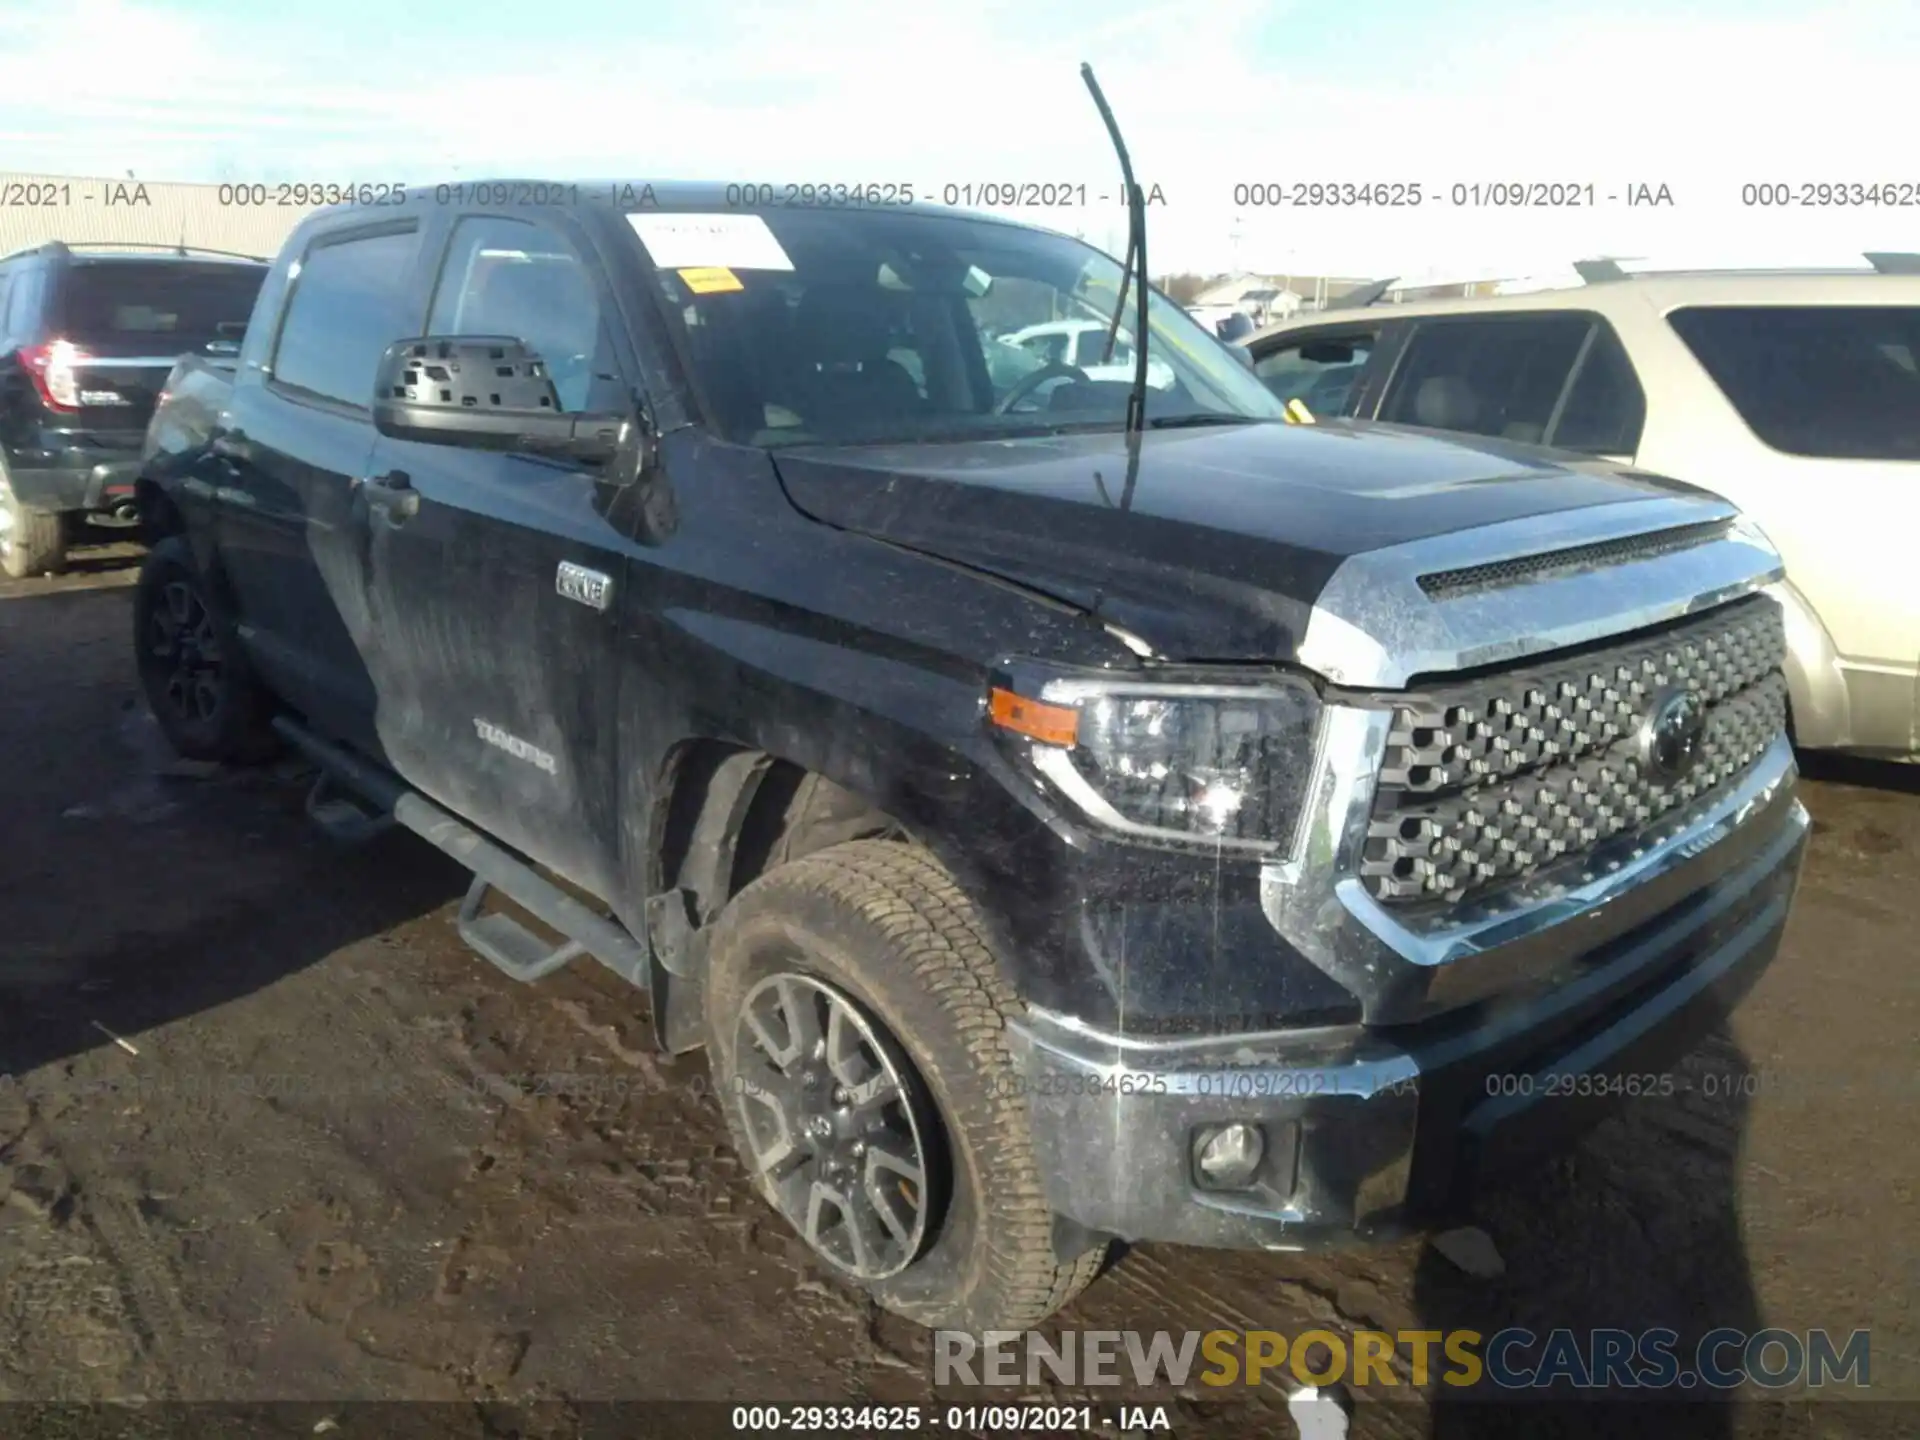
column 273, row 1134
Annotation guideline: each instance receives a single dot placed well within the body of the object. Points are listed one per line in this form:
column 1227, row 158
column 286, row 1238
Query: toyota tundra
column 1062, row 810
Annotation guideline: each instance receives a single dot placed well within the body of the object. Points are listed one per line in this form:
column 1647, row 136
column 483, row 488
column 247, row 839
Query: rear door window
column 155, row 307
column 1837, row 382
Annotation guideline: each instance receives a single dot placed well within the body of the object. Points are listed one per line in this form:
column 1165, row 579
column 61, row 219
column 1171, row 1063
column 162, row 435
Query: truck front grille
column 1487, row 781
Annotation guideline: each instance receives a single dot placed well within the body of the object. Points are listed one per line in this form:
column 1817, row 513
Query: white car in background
column 1794, row 394
column 1082, row 344
column 1211, row 315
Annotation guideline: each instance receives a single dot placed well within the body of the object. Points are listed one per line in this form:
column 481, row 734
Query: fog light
column 1225, row 1157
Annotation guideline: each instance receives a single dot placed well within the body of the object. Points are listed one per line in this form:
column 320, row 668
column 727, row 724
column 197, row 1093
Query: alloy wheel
column 836, row 1127
column 181, row 635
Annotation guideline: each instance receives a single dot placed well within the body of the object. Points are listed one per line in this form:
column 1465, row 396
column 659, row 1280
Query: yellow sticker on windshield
column 711, row 280
column 1297, row 412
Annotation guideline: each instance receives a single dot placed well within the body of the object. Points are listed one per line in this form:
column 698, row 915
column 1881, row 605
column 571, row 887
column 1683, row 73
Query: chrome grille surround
column 1491, row 780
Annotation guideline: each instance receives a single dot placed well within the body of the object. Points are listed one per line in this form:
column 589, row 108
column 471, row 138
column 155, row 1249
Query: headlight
column 1222, row 765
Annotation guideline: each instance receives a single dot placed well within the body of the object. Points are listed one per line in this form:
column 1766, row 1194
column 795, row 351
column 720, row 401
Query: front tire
column 31, row 542
column 197, row 681
column 877, row 931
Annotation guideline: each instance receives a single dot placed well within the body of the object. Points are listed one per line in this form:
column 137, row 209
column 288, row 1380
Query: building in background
column 80, row 209
column 1443, row 290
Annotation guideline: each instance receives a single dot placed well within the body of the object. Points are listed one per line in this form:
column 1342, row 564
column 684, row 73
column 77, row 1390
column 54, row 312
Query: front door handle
column 393, row 493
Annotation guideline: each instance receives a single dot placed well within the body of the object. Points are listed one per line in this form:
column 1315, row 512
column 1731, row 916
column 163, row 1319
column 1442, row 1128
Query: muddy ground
column 274, row 1135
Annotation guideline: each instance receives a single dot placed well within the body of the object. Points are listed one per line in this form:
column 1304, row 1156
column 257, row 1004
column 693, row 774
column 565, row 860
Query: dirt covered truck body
column 1233, row 832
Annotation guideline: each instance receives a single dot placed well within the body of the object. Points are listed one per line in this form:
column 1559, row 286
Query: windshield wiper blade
column 1206, row 417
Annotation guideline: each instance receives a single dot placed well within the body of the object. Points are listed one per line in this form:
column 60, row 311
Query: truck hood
column 1221, row 541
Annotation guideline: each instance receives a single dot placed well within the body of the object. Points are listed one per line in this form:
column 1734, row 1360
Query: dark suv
column 87, row 335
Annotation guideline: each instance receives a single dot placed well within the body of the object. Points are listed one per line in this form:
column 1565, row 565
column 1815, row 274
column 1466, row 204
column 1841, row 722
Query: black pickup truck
column 1213, row 830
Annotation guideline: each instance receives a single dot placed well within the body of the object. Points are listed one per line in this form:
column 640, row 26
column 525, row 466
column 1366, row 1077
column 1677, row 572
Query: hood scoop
column 1529, row 586
column 1574, row 560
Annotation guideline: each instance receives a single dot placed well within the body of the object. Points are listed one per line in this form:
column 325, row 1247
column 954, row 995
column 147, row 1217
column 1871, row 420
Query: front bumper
column 1554, row 1012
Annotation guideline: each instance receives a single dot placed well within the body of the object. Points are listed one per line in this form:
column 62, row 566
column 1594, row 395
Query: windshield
column 865, row 327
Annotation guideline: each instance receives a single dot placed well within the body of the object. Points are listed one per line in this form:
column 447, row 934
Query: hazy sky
column 1699, row 95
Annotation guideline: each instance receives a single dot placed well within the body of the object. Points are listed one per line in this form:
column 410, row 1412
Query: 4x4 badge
column 589, row 587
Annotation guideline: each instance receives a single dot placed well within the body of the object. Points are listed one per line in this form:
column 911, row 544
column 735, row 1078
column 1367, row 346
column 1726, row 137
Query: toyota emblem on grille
column 1671, row 735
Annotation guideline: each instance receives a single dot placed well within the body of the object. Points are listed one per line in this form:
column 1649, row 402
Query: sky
column 1702, row 97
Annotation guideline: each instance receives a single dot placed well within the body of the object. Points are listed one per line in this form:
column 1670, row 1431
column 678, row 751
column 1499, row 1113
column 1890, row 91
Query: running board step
column 509, row 945
column 499, row 939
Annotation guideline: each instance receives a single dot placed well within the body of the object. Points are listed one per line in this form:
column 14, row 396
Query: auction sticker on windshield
column 700, row 242
column 711, row 280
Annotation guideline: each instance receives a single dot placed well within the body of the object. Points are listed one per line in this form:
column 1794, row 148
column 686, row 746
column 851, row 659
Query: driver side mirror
column 485, row 392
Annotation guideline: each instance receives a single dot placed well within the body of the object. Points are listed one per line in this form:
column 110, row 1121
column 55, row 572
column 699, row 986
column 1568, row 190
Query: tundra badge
column 515, row 746
column 589, row 587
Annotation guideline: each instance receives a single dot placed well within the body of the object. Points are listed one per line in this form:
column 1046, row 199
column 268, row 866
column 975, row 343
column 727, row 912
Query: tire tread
column 918, row 910
column 38, row 545
column 247, row 737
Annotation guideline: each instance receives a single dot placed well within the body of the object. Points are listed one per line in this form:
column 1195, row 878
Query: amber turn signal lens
column 1050, row 724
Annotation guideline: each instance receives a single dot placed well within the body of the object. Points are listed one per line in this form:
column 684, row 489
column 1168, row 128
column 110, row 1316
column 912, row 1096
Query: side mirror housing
column 485, row 392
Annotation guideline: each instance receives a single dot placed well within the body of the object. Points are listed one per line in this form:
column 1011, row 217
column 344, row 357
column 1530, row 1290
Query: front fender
column 1821, row 710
